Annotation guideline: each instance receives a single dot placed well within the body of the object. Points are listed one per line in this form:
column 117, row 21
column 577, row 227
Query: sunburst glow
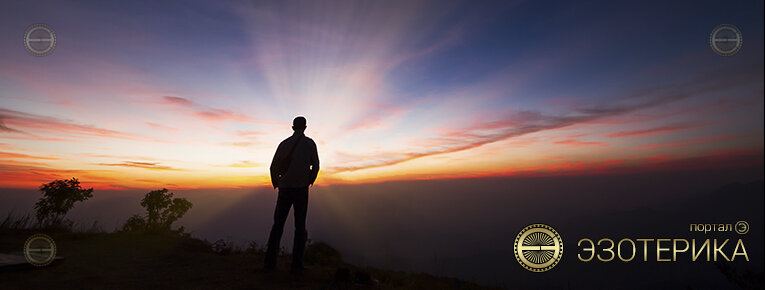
column 139, row 96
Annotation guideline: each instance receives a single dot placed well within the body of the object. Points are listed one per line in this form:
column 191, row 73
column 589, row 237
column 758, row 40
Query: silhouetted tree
column 162, row 211
column 58, row 198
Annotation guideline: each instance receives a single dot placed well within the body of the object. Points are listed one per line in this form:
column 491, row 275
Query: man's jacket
column 302, row 168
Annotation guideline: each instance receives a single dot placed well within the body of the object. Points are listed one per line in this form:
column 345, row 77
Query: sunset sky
column 158, row 94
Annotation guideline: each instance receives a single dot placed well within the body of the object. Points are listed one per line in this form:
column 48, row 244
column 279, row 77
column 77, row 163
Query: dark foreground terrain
column 125, row 260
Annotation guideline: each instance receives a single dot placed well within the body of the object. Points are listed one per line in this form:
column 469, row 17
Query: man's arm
column 314, row 163
column 274, row 166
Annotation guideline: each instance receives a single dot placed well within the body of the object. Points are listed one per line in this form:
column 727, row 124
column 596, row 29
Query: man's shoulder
column 286, row 141
column 309, row 140
column 291, row 138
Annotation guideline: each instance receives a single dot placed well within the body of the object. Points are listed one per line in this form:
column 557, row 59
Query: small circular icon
column 39, row 39
column 538, row 247
column 726, row 39
column 40, row 250
column 741, row 227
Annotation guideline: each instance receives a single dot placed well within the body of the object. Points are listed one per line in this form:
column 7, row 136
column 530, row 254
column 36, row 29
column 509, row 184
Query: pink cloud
column 161, row 127
column 178, row 101
column 27, row 122
column 6, row 129
column 652, row 131
column 206, row 112
column 522, row 122
column 574, row 142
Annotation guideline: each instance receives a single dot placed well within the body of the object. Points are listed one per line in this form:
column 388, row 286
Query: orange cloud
column 146, row 165
column 690, row 141
column 245, row 164
column 31, row 176
column 25, row 156
column 657, row 163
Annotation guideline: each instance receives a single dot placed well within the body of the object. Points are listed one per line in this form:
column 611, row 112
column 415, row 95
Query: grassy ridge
column 97, row 259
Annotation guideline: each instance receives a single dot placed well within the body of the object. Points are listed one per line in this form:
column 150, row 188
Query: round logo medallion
column 538, row 247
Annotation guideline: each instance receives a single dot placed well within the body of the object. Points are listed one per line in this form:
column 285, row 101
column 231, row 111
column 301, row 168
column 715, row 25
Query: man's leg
column 283, row 203
column 301, row 209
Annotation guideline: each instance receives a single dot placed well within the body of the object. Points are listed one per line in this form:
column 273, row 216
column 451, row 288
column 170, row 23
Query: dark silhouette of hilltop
column 464, row 227
column 147, row 252
column 123, row 260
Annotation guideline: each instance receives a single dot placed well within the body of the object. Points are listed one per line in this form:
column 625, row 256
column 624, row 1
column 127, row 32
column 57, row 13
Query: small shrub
column 94, row 228
column 12, row 222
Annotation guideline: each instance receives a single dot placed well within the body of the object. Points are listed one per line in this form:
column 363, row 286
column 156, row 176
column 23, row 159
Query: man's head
column 298, row 124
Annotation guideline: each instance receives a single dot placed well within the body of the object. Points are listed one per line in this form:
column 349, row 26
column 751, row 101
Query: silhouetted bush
column 223, row 247
column 58, row 198
column 134, row 224
column 320, row 253
column 254, row 249
column 162, row 211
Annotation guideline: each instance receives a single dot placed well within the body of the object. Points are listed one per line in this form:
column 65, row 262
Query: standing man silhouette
column 294, row 167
